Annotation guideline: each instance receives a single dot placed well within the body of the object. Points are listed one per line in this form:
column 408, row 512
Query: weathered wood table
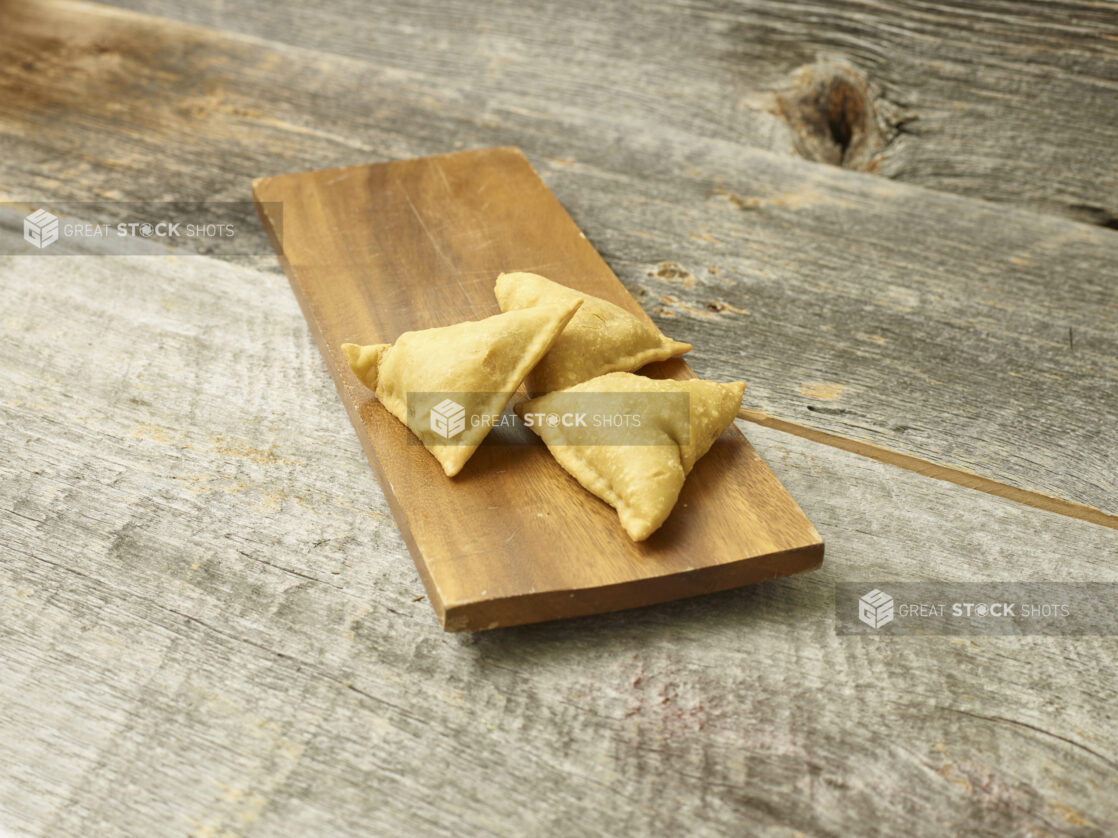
column 896, row 221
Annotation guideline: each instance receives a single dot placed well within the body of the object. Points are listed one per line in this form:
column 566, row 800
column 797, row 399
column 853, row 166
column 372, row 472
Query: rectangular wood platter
column 373, row 251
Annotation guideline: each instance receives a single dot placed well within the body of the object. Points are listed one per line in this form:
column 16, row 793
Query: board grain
column 374, row 251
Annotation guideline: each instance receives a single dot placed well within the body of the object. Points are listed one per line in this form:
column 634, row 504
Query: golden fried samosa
column 600, row 338
column 639, row 470
column 446, row 384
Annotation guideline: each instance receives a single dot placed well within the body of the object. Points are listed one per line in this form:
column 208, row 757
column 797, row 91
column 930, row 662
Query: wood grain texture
column 856, row 307
column 375, row 251
column 1003, row 100
column 943, row 330
column 209, row 623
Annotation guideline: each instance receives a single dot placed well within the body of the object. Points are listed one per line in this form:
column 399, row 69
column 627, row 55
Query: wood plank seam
column 958, row 476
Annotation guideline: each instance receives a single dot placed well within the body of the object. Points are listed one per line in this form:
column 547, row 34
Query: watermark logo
column 117, row 228
column 448, row 418
column 40, row 229
column 570, row 419
column 976, row 608
column 875, row 609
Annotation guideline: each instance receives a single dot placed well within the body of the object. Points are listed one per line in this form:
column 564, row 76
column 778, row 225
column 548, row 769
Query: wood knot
column 674, row 273
column 830, row 109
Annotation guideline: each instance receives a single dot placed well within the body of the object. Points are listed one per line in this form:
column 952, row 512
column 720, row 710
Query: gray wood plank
column 936, row 330
column 981, row 341
column 210, row 625
column 1003, row 100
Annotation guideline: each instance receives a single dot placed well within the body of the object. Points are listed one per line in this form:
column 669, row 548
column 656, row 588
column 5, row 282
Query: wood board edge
column 434, row 595
column 484, row 615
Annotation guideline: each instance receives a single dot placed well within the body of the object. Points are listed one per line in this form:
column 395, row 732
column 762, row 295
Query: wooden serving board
column 374, row 251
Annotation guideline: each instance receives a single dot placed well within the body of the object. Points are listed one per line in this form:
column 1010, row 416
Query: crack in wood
column 1017, row 723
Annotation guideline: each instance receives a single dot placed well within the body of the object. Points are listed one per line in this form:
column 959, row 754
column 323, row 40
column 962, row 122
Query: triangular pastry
column 438, row 381
column 640, row 472
column 600, row 338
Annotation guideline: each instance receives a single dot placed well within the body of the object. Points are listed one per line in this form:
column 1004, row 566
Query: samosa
column 601, row 337
column 448, row 384
column 639, row 470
